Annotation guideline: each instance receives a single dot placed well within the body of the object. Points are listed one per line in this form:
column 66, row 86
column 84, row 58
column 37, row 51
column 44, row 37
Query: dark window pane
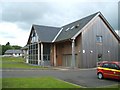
column 99, row 39
column 114, row 66
column 106, row 65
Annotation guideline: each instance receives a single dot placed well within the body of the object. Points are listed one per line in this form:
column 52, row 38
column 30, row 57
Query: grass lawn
column 16, row 62
column 42, row 82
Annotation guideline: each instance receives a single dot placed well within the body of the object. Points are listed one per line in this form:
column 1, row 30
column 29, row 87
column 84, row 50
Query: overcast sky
column 17, row 17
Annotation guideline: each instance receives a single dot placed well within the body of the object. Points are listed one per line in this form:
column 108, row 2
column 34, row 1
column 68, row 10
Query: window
column 34, row 37
column 67, row 29
column 99, row 39
column 106, row 65
column 33, row 53
column 72, row 27
column 77, row 26
column 114, row 66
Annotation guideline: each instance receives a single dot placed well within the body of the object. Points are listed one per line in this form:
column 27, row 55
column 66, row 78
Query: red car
column 109, row 69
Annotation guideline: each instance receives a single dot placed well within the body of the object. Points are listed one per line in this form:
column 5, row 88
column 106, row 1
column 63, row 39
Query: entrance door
column 66, row 61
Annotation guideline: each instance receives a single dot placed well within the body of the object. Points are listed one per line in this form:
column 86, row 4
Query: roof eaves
column 86, row 25
column 30, row 34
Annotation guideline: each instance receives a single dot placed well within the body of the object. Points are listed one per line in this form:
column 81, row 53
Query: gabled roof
column 68, row 33
column 71, row 29
column 46, row 33
column 13, row 51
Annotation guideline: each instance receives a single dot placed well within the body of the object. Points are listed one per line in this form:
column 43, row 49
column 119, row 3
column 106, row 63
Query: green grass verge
column 16, row 62
column 42, row 82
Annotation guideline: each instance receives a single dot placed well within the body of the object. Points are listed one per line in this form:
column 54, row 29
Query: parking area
column 82, row 77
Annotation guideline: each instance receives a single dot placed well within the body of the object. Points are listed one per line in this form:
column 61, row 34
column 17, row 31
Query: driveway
column 82, row 77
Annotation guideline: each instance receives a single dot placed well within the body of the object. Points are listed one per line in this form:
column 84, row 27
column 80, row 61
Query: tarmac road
column 82, row 77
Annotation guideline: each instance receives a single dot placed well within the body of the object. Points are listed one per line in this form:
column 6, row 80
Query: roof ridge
column 45, row 26
column 83, row 18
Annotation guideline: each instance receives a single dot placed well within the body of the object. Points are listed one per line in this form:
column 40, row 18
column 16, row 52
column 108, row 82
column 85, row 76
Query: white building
column 15, row 53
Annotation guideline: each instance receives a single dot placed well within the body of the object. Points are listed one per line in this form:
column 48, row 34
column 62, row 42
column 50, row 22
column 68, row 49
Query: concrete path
column 82, row 77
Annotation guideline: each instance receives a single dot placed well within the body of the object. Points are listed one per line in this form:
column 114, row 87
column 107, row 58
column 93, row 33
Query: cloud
column 23, row 13
column 18, row 17
column 9, row 32
column 55, row 13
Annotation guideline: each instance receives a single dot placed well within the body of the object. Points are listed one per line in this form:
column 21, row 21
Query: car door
column 115, row 71
column 106, row 70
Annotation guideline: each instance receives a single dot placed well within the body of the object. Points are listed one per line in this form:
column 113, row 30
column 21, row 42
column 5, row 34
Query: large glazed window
column 33, row 53
column 34, row 37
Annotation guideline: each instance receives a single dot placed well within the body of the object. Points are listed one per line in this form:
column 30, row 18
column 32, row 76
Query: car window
column 114, row 66
column 106, row 65
column 119, row 64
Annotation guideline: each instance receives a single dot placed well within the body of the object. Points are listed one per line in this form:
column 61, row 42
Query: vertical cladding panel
column 66, row 47
column 109, row 43
column 90, row 44
column 87, row 39
column 83, row 48
column 119, row 29
column 92, row 50
column 104, row 43
column 119, row 17
column 77, row 50
column 59, row 52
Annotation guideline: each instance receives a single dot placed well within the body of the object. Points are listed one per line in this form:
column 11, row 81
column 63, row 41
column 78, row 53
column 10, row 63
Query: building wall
column 119, row 28
column 64, row 53
column 108, row 48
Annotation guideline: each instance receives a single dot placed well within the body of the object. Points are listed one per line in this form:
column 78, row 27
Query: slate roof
column 13, row 51
column 46, row 33
column 56, row 34
column 64, row 35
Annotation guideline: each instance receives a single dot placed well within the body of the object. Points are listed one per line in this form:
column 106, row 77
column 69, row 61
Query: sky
column 18, row 16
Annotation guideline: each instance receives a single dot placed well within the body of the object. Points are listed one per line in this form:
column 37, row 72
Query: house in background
column 14, row 53
column 80, row 44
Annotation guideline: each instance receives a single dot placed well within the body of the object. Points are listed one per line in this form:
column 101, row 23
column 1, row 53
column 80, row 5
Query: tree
column 8, row 43
column 16, row 47
column 6, row 47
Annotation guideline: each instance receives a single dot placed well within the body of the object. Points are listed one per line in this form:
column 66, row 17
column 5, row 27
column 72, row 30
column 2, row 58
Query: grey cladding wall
column 108, row 48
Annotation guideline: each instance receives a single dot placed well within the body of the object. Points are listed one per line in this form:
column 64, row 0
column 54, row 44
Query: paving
column 82, row 77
